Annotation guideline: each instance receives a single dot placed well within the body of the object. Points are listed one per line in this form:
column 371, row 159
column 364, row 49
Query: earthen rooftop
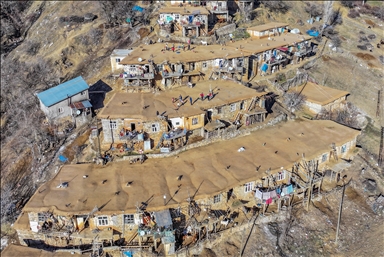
column 256, row 46
column 131, row 105
column 203, row 168
column 197, row 53
column 319, row 94
column 190, row 10
column 268, row 26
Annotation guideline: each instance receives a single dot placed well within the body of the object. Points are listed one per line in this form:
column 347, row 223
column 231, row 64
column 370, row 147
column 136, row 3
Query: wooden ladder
column 250, row 107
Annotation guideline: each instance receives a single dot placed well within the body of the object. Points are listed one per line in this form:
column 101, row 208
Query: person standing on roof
column 202, row 96
column 189, row 44
column 190, row 100
column 180, row 98
column 173, row 48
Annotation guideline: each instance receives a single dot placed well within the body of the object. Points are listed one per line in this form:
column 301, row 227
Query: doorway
column 133, row 126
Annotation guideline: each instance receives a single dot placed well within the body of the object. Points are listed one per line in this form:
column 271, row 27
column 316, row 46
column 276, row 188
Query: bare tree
column 314, row 9
column 328, row 9
column 294, row 101
column 276, row 6
column 347, row 115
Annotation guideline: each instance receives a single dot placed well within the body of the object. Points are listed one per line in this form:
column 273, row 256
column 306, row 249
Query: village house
column 138, row 71
column 175, row 65
column 219, row 10
column 116, row 57
column 275, row 53
column 69, row 99
column 268, row 30
column 169, row 115
column 191, row 21
column 148, row 203
column 320, row 98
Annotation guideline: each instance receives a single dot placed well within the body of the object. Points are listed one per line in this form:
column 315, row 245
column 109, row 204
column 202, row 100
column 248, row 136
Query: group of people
column 173, row 48
column 209, row 95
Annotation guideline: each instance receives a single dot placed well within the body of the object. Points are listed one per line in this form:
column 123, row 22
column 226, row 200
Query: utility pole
column 340, row 209
column 380, row 161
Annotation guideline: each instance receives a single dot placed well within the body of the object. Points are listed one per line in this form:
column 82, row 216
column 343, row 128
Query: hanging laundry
column 259, row 194
column 285, row 191
column 269, row 201
column 278, row 191
column 290, row 189
column 273, row 194
column 266, row 195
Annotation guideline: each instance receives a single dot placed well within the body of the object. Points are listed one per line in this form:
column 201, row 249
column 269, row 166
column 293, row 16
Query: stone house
column 137, row 71
column 321, row 97
column 275, row 53
column 69, row 99
column 219, row 10
column 191, row 21
column 94, row 202
column 268, row 30
column 164, row 115
column 117, row 56
column 178, row 67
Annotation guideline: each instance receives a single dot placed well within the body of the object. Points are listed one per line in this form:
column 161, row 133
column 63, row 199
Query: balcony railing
column 219, row 9
column 194, row 23
column 148, row 75
column 230, row 69
column 171, row 74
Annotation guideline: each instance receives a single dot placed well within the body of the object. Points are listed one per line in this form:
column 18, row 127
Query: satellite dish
column 142, row 233
column 139, row 59
column 78, row 112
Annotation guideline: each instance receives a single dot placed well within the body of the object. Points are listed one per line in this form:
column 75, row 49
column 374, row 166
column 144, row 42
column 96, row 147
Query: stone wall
column 224, row 136
column 225, row 29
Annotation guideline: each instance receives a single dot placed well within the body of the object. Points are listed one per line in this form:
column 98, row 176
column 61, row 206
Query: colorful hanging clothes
column 266, row 195
column 290, row 189
column 273, row 194
column 285, row 191
column 259, row 194
column 278, row 191
column 269, row 201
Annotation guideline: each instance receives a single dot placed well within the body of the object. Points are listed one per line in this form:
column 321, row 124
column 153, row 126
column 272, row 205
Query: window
column 324, row 157
column 112, row 124
column 177, row 123
column 233, row 107
column 280, row 175
column 242, row 105
column 102, row 221
column 129, row 219
column 82, row 93
column 177, row 16
column 204, row 64
column 216, row 198
column 343, row 148
column 195, row 121
column 41, row 217
column 155, row 127
column 248, row 187
column 219, row 110
column 117, row 60
column 60, row 109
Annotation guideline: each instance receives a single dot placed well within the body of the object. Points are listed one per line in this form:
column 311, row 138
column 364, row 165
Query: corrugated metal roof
column 63, row 91
column 163, row 218
column 81, row 105
column 121, row 52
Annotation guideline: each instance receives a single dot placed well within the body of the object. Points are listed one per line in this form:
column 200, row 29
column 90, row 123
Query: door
column 133, row 126
column 190, row 19
column 209, row 115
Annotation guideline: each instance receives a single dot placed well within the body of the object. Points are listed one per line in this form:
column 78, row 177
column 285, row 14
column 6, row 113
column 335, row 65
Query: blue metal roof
column 63, row 91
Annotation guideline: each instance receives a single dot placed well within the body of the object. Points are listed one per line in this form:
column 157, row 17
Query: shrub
column 353, row 14
column 276, row 6
column 32, row 47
